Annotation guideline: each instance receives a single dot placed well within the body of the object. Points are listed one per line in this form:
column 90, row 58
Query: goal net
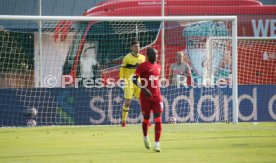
column 256, row 58
column 65, row 70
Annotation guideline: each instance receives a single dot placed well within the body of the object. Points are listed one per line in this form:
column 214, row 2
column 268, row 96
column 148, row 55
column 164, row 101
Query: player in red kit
column 150, row 96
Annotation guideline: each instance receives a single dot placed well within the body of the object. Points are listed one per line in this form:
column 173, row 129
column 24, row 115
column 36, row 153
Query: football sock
column 125, row 113
column 145, row 127
column 157, row 128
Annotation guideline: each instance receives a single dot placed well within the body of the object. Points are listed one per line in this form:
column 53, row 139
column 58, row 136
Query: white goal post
column 231, row 19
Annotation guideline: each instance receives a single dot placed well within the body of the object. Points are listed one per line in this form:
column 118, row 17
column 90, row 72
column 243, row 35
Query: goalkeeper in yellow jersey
column 128, row 67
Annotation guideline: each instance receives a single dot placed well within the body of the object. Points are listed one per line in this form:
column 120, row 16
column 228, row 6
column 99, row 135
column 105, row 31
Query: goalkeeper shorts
column 130, row 91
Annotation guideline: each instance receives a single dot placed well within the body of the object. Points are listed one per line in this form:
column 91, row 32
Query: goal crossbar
column 119, row 18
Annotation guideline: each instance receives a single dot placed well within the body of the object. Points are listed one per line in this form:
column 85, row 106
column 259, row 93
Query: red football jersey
column 149, row 76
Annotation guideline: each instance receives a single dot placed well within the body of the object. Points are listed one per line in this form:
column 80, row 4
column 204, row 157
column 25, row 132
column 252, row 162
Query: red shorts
column 148, row 105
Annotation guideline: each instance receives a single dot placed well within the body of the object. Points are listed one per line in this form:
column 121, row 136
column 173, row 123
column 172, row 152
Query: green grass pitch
column 191, row 143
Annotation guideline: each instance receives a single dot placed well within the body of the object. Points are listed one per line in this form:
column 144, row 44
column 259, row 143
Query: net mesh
column 57, row 72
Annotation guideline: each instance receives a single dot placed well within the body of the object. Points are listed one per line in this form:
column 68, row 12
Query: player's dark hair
column 134, row 43
column 150, row 51
column 151, row 54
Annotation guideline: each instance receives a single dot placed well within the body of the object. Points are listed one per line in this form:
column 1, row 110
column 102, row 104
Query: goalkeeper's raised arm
column 128, row 67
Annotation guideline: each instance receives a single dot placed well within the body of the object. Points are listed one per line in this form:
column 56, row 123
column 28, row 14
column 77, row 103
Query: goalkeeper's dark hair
column 134, row 43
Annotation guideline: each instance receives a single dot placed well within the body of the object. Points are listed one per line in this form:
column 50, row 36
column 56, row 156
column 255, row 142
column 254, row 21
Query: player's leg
column 136, row 94
column 157, row 110
column 145, row 105
column 128, row 93
column 158, row 131
column 125, row 110
column 145, row 128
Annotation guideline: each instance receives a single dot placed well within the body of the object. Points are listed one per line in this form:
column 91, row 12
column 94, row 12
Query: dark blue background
column 76, row 106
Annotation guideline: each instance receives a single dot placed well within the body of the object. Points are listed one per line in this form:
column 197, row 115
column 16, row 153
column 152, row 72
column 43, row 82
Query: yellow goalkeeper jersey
column 129, row 64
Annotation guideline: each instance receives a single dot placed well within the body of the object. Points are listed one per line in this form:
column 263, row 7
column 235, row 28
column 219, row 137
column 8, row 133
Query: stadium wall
column 257, row 103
